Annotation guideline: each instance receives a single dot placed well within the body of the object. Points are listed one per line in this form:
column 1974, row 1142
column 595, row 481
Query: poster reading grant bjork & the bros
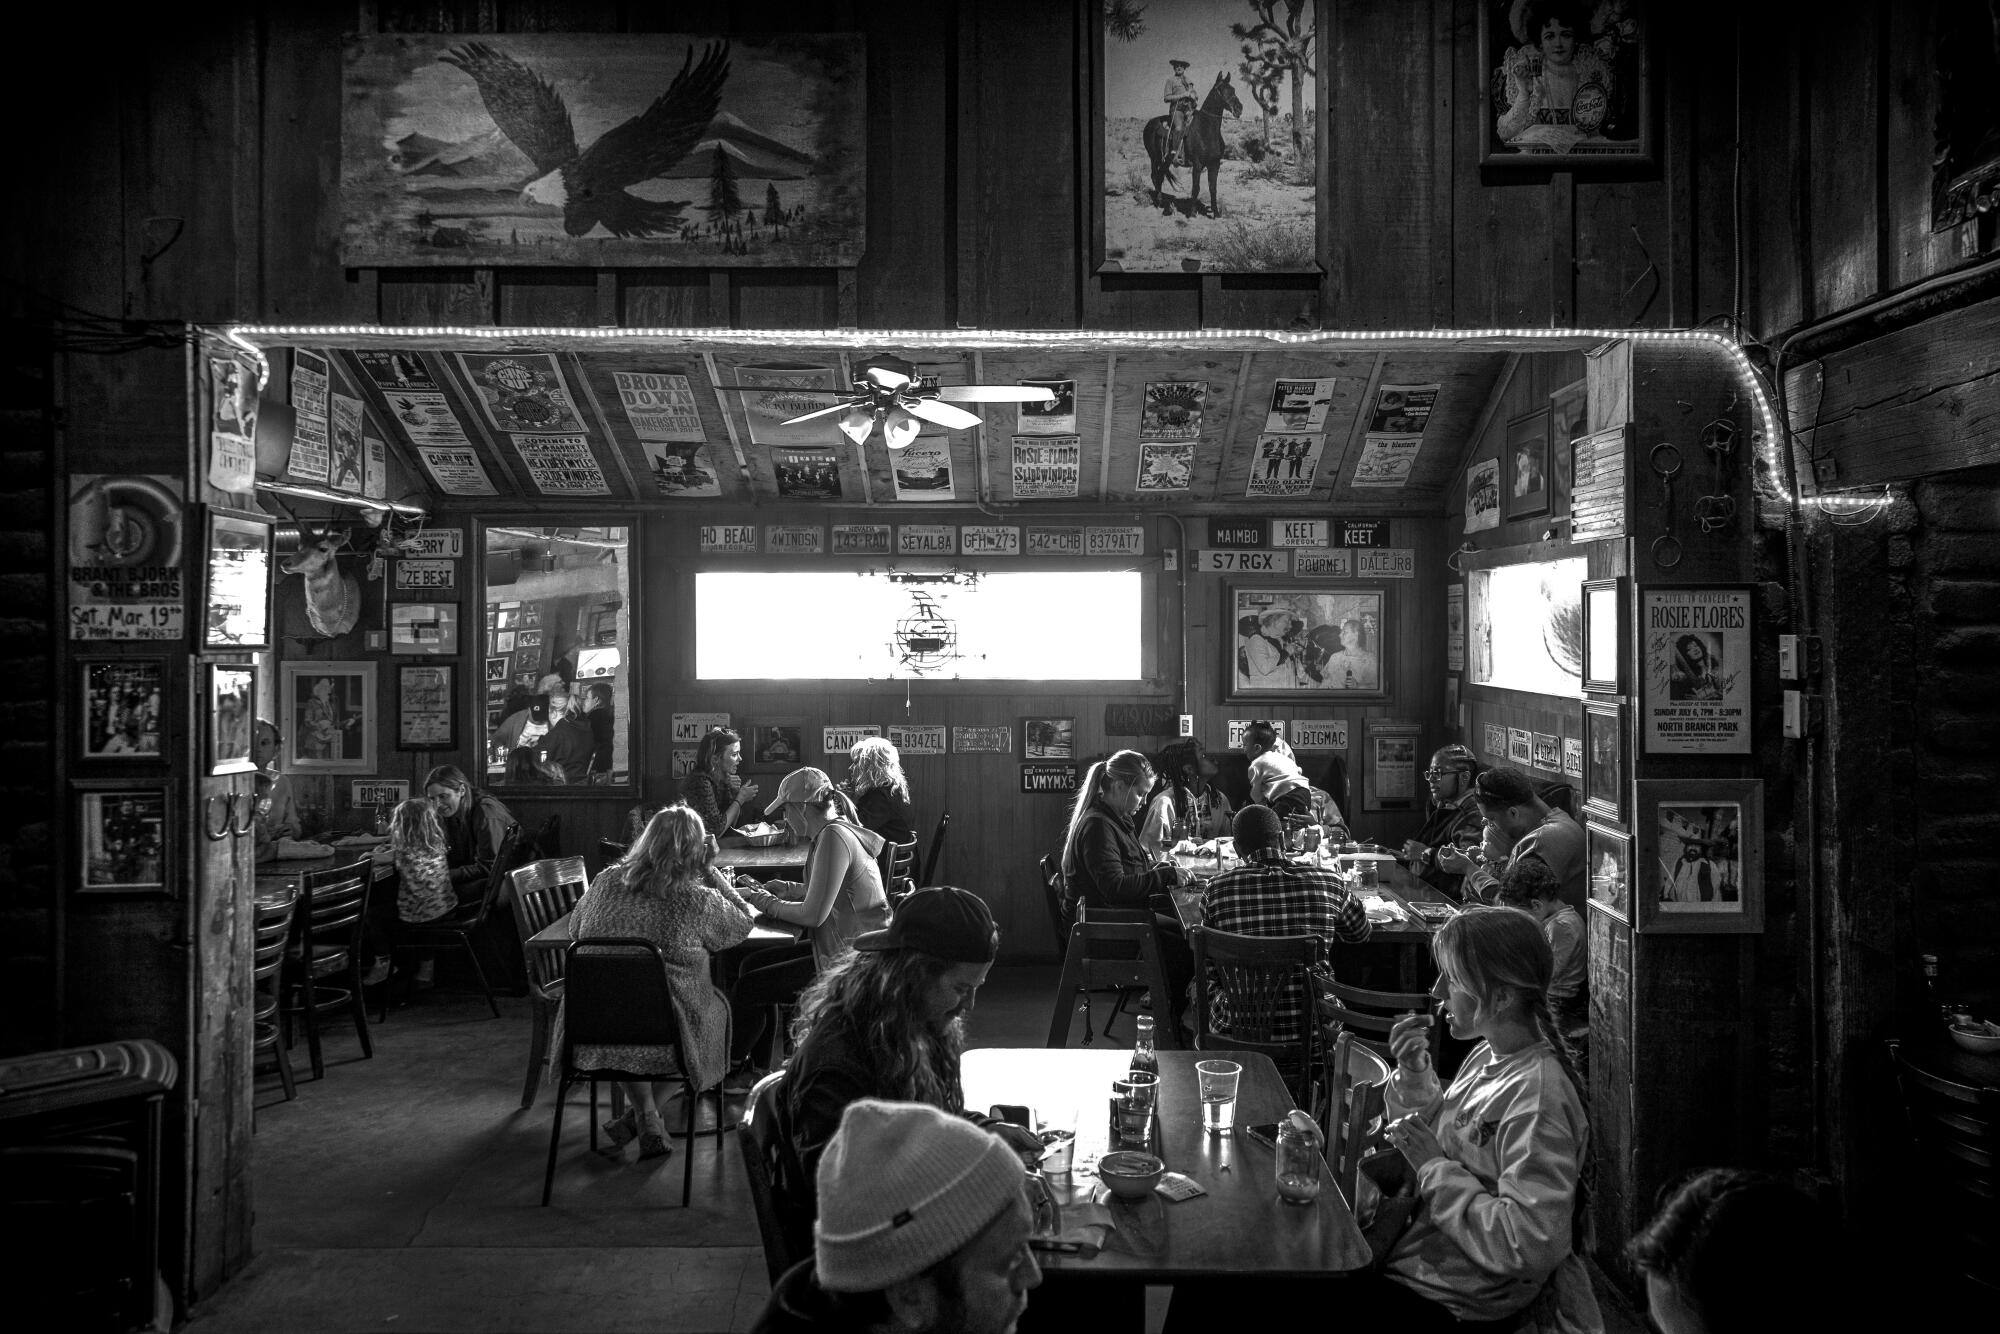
column 1696, row 651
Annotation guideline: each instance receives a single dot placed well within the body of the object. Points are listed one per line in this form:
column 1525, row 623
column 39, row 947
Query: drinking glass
column 1057, row 1131
column 1218, row 1095
column 1133, row 1098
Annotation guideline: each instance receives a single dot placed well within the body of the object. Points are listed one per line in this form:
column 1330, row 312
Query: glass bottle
column 1298, row 1163
column 1929, row 967
column 1143, row 1055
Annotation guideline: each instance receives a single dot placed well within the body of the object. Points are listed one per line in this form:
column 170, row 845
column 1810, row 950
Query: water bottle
column 1298, row 1164
column 1143, row 1056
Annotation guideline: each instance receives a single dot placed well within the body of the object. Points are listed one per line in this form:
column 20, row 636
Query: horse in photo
column 1201, row 148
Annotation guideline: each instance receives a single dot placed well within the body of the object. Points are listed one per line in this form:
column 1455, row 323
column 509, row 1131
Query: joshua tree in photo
column 1124, row 19
column 1282, row 43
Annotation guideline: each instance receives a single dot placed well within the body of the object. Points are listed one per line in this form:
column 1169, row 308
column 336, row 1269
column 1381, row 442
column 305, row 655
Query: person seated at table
column 277, row 813
column 712, row 789
column 924, row 1226
column 1507, row 798
column 566, row 750
column 475, row 823
column 1265, row 895
column 881, row 793
column 1498, row 1157
column 1718, row 1251
column 1531, row 886
column 664, row 891
column 1452, row 821
column 887, row 1020
column 1275, row 778
column 1105, row 866
column 1188, row 805
column 424, row 891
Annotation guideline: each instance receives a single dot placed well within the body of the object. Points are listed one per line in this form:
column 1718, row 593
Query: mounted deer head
column 333, row 599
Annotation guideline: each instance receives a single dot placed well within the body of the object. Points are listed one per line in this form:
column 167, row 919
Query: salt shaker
column 1299, row 1146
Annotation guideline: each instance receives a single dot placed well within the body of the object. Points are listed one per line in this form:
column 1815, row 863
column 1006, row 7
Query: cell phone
column 1014, row 1114
column 1265, row 1133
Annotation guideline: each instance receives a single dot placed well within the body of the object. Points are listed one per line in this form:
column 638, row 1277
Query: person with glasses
column 1507, row 799
column 1453, row 821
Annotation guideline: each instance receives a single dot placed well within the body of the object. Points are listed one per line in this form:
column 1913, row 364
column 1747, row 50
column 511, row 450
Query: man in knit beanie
column 923, row 1229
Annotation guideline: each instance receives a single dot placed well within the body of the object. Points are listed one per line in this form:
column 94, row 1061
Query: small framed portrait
column 526, row 639
column 427, row 706
column 1048, row 738
column 1524, row 466
column 777, row 745
column 503, row 641
column 1700, row 855
column 125, row 837
column 236, row 587
column 423, row 629
column 1301, row 643
column 1605, row 636
column 1604, row 762
column 230, row 703
column 496, row 669
column 1607, row 862
column 330, row 718
column 1565, row 85
column 123, row 708
column 505, row 616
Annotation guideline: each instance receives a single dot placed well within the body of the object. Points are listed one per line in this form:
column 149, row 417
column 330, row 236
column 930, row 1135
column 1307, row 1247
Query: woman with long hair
column 887, row 1020
column 881, row 793
column 424, row 891
column 1498, row 1158
column 665, row 892
column 474, row 822
column 712, row 788
column 1188, row 804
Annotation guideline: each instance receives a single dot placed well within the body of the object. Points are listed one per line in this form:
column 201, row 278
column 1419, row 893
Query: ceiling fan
column 889, row 393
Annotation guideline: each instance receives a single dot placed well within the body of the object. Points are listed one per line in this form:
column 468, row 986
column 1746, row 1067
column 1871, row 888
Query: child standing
column 423, row 882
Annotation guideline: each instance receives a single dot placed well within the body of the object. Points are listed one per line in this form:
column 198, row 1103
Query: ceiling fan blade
column 996, row 393
column 818, row 412
column 941, row 414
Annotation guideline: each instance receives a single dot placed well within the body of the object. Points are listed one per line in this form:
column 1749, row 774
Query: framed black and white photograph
column 1295, row 643
column 423, row 629
column 1604, row 636
column 1700, row 855
column 427, row 706
column 1607, row 866
column 1389, row 780
column 123, row 708
column 1524, row 466
column 496, row 668
column 1604, row 762
column 1048, row 738
column 125, row 836
column 777, row 745
column 329, row 716
column 230, row 703
column 236, row 586
column 1695, row 668
column 1565, row 85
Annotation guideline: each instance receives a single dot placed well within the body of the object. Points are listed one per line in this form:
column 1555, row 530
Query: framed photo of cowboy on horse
column 1296, row 643
column 1207, row 120
column 1565, row 84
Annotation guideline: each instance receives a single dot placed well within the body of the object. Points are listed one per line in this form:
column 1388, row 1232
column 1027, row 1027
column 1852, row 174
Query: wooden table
column 779, row 861
column 1394, row 882
column 765, row 930
column 1239, row 1229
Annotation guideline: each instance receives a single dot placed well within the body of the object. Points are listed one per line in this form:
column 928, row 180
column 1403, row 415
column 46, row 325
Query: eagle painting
column 588, row 184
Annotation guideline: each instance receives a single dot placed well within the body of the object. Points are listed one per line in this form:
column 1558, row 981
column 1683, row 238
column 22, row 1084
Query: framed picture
column 1482, row 495
column 496, row 669
column 1524, row 466
column 1569, row 408
column 1695, row 668
column 236, row 590
column 524, row 639
column 329, row 716
column 1565, row 86
column 1700, row 855
column 1965, row 159
column 427, row 706
column 1390, row 765
column 123, row 708
column 1604, row 768
column 230, row 702
column 503, row 641
column 1604, row 636
column 1298, row 643
column 1607, row 863
column 778, row 745
column 1048, row 738
column 424, row 628
column 125, row 836
column 505, row 616
column 1454, row 628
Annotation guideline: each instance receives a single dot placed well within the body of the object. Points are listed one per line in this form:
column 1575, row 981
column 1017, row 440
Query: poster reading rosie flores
column 1696, row 661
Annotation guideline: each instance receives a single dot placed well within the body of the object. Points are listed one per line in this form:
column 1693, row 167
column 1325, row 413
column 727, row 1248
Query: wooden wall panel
column 1381, row 236
column 1842, row 53
column 907, row 277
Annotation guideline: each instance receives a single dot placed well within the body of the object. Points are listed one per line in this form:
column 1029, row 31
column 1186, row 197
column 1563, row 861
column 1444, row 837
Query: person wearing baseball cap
column 888, row 1020
column 923, row 1226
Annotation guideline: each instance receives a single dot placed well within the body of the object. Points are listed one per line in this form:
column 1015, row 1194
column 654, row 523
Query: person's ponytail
column 1545, row 1024
column 1086, row 793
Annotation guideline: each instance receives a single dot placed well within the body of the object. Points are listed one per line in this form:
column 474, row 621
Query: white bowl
column 1984, row 1043
column 1129, row 1174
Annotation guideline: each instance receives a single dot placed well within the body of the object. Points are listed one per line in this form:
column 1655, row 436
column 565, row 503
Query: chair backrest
column 1356, row 1080
column 332, row 902
column 1267, row 994
column 1957, row 1123
column 895, row 861
column 544, row 893
column 1369, row 1015
column 1559, row 795
column 616, row 995
column 784, row 1219
column 272, row 929
column 1062, row 916
column 610, row 850
column 937, row 847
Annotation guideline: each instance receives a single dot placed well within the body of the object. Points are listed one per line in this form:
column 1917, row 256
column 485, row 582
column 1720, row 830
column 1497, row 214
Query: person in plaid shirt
column 1268, row 896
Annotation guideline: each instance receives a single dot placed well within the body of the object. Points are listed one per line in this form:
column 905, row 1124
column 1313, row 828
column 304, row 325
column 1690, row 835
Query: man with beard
column 923, row 1228
column 1454, row 819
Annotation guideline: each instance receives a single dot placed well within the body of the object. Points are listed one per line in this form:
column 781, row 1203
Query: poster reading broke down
column 125, row 557
column 1696, row 655
column 660, row 407
column 561, row 465
column 456, row 469
column 521, row 391
column 1046, row 468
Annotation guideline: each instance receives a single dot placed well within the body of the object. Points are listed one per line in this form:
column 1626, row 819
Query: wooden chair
column 937, row 849
column 784, row 1218
column 1111, row 948
column 616, row 995
column 272, row 932
column 897, row 862
column 1061, row 915
column 332, row 906
column 1371, row 1014
column 544, row 893
column 455, row 931
column 1356, row 1081
column 1262, row 978
column 1956, row 1129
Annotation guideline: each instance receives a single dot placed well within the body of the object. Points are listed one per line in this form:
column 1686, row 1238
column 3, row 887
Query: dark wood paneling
column 1841, row 60
column 1381, row 242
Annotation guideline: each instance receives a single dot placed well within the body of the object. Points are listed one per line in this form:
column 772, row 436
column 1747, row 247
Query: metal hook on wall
column 1456, row 560
column 248, row 822
column 208, row 824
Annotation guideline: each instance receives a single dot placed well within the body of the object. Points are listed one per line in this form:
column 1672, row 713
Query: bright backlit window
column 1012, row 625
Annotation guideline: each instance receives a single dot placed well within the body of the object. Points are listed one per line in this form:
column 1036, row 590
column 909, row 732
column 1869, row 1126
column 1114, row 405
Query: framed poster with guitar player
column 330, row 716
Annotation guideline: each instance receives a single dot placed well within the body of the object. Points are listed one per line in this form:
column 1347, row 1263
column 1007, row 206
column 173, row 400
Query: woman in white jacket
column 1498, row 1157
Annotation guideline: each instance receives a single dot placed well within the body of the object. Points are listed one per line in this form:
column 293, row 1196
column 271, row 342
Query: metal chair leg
column 538, row 1054
column 479, row 971
column 555, row 1138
